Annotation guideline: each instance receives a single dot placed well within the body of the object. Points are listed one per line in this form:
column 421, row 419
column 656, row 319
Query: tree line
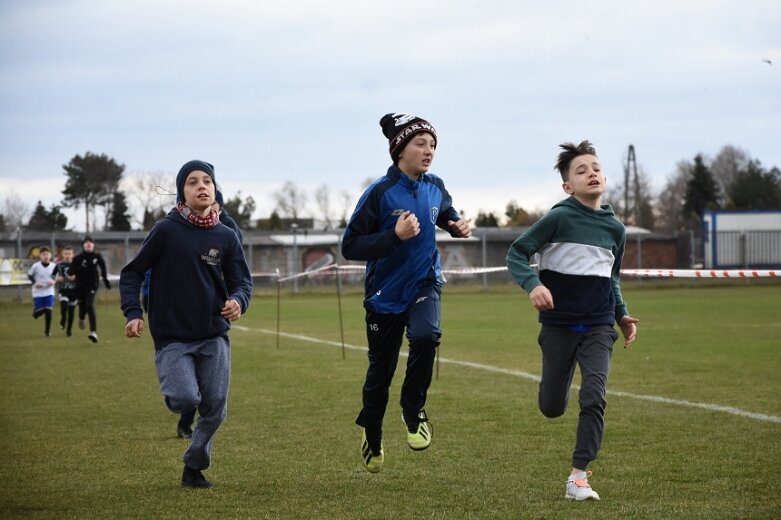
column 730, row 180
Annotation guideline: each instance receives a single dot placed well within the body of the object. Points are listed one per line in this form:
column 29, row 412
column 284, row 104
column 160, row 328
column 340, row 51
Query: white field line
column 532, row 377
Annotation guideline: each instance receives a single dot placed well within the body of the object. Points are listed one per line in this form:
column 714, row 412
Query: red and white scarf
column 209, row 221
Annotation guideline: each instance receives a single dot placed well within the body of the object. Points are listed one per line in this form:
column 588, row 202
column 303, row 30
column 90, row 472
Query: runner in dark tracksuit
column 393, row 229
column 68, row 297
column 88, row 266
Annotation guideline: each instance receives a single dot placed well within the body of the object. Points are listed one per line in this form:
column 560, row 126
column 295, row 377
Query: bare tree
column 149, row 193
column 323, row 199
column 614, row 196
column 640, row 197
column 644, row 206
column 290, row 200
column 345, row 206
column 725, row 166
column 15, row 211
column 669, row 205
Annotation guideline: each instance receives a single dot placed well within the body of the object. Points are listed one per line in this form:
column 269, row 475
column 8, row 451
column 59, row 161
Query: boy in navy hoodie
column 200, row 283
column 393, row 230
column 577, row 292
column 184, row 427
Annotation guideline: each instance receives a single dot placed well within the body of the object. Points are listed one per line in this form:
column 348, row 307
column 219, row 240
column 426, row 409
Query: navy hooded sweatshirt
column 194, row 271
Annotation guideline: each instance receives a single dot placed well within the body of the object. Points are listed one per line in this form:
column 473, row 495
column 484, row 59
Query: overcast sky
column 281, row 91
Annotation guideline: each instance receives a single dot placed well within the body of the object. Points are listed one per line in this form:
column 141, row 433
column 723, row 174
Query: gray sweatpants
column 196, row 374
column 562, row 350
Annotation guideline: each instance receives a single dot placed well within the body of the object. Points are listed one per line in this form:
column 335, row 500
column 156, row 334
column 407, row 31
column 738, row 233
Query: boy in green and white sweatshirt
column 580, row 245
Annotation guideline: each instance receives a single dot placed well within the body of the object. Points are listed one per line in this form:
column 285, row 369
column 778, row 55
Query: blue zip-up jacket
column 396, row 269
column 194, row 271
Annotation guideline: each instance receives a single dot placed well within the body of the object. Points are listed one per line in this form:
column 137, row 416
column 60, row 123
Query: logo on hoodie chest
column 212, row 257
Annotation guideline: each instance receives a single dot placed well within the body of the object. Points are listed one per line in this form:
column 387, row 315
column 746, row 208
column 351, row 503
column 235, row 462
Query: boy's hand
column 541, row 298
column 460, row 228
column 407, row 226
column 134, row 328
column 231, row 310
column 628, row 326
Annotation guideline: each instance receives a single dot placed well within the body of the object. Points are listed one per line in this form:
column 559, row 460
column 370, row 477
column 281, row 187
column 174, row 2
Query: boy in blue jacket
column 581, row 244
column 200, row 283
column 393, row 230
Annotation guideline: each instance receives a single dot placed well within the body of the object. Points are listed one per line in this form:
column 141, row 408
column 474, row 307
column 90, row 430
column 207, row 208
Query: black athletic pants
column 385, row 333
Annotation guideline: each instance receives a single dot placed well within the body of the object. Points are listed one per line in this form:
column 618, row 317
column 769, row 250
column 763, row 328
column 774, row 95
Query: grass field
column 84, row 432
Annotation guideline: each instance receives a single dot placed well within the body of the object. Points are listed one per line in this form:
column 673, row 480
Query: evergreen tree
column 273, row 223
column 119, row 220
column 92, row 181
column 150, row 217
column 486, row 219
column 517, row 216
column 58, row 219
column 756, row 188
column 241, row 210
column 47, row 220
column 701, row 190
column 39, row 221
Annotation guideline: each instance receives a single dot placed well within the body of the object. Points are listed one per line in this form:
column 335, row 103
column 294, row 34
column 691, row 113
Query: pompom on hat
column 187, row 169
column 399, row 128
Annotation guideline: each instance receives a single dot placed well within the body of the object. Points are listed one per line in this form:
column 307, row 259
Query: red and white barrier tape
column 641, row 273
column 700, row 273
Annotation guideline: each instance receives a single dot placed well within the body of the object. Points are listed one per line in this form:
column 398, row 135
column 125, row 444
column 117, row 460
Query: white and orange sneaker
column 579, row 489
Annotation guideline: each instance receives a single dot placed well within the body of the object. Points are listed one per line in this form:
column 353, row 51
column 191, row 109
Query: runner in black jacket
column 86, row 266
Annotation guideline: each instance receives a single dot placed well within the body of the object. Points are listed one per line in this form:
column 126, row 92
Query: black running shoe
column 193, row 478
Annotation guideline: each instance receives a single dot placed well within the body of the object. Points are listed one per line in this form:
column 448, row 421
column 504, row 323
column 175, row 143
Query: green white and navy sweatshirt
column 580, row 251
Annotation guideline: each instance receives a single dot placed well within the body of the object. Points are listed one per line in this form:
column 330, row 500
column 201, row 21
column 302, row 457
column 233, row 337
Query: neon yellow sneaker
column 371, row 452
column 419, row 431
column 579, row 489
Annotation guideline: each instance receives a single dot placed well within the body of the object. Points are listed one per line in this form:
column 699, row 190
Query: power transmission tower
column 631, row 167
